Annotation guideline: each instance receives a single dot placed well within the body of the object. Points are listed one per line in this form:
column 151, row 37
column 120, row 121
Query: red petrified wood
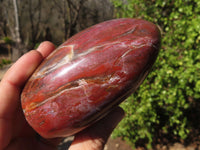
column 88, row 75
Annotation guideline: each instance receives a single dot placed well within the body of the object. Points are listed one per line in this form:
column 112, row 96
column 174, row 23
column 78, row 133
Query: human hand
column 16, row 134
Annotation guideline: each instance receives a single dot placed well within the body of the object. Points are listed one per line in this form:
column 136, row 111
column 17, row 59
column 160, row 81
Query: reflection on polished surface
column 88, row 75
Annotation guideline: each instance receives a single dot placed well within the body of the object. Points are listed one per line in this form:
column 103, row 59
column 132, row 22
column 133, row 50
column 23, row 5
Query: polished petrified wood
column 88, row 75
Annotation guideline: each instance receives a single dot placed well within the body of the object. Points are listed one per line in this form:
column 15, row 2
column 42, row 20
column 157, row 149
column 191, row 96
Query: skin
column 16, row 134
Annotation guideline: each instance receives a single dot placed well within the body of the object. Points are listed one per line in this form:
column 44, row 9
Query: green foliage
column 36, row 45
column 161, row 102
column 4, row 62
column 7, row 40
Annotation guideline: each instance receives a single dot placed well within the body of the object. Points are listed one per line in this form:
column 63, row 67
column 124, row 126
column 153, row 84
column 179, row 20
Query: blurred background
column 164, row 113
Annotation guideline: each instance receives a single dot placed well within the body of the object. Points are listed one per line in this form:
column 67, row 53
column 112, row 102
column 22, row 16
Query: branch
column 72, row 4
column 58, row 6
column 77, row 10
column 31, row 18
column 39, row 18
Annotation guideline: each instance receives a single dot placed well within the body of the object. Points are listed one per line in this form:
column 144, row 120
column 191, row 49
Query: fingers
column 15, row 78
column 18, row 74
column 96, row 136
column 24, row 67
column 45, row 48
column 11, row 86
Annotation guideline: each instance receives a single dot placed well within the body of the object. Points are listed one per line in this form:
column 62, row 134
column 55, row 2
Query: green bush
column 162, row 102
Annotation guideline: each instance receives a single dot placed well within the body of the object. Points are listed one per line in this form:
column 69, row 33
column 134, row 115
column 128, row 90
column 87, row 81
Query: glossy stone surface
column 88, row 75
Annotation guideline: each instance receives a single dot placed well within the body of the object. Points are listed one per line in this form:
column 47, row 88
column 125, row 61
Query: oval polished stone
column 88, row 75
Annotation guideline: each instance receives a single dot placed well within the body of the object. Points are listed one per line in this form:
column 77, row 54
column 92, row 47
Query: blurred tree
column 69, row 11
column 34, row 11
column 55, row 20
column 16, row 52
column 17, row 29
column 3, row 22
